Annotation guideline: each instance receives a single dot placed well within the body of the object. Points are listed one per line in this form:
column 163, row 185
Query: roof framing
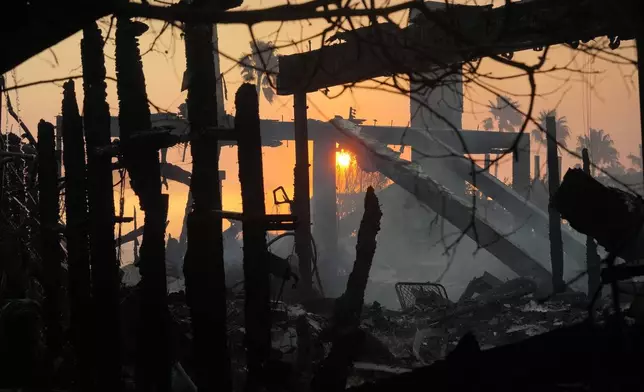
column 453, row 35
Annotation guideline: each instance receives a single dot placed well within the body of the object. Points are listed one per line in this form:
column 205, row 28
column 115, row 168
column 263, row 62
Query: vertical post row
column 302, row 197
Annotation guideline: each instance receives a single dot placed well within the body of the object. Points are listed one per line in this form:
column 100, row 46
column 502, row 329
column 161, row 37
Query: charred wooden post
column 76, row 232
column 592, row 258
column 59, row 144
column 105, row 268
column 142, row 162
column 521, row 166
column 537, row 167
column 556, row 243
column 256, row 269
column 334, row 371
column 50, row 243
column 302, row 196
column 204, row 260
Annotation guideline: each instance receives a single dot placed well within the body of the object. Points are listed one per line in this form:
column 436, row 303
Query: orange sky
column 614, row 106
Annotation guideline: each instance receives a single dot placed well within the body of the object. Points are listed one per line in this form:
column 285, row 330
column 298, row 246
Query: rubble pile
column 497, row 313
column 501, row 315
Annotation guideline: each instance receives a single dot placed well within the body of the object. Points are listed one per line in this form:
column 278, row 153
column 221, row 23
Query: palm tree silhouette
column 601, row 148
column 506, row 114
column 563, row 131
column 261, row 67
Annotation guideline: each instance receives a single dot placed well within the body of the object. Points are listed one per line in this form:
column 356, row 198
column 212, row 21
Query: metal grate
column 410, row 292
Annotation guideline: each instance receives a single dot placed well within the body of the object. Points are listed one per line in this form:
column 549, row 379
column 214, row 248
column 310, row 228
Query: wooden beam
column 36, row 26
column 474, row 142
column 465, row 141
column 384, row 49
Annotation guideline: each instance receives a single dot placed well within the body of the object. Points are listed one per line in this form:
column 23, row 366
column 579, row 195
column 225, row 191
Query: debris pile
column 393, row 342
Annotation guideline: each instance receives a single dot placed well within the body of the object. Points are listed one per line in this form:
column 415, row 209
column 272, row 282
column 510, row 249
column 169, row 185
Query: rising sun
column 343, row 159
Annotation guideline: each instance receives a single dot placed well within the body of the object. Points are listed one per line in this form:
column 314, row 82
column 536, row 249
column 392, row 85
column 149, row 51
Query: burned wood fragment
column 76, row 233
column 347, row 339
column 611, row 216
column 153, row 370
column 204, row 259
column 479, row 286
column 256, row 261
column 50, row 243
column 105, row 268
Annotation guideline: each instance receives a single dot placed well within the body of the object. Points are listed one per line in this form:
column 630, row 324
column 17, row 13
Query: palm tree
column 508, row 118
column 563, row 130
column 260, row 67
column 601, row 148
column 636, row 159
column 506, row 114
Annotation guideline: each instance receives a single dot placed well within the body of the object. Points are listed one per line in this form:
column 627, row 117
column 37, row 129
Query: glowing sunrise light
column 343, row 159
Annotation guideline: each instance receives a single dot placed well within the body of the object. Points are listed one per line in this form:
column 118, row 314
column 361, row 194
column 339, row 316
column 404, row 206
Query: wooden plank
column 453, row 36
column 463, row 141
column 474, row 142
column 457, row 211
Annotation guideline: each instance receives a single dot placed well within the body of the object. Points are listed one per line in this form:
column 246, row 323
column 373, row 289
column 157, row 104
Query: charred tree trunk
column 142, row 162
column 50, row 245
column 204, row 261
column 333, row 373
column 556, row 243
column 104, row 265
column 592, row 258
column 256, row 280
column 77, row 235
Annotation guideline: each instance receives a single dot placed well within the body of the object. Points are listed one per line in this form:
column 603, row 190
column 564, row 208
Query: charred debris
column 68, row 323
